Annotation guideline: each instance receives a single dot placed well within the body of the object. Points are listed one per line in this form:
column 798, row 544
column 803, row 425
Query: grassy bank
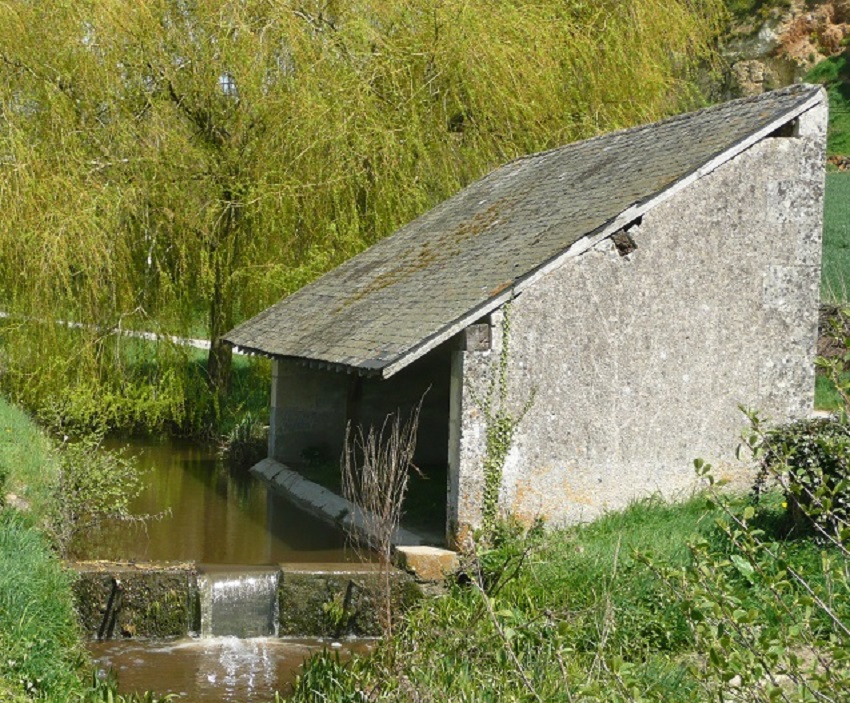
column 42, row 656
column 835, row 273
column 39, row 639
column 657, row 603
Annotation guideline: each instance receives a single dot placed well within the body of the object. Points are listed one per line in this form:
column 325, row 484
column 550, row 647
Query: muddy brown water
column 223, row 669
column 212, row 516
column 209, row 514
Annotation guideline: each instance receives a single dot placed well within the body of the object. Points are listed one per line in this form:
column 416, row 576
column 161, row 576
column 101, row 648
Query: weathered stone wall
column 308, row 412
column 639, row 362
column 338, row 600
column 776, row 47
column 117, row 601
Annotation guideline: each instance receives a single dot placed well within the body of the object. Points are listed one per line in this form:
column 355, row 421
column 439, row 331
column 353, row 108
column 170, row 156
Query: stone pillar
column 470, row 370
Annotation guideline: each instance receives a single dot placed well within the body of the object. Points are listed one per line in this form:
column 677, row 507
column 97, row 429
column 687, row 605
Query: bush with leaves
column 811, row 461
column 93, row 485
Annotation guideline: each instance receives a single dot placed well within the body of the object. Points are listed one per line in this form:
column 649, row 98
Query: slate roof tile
column 376, row 308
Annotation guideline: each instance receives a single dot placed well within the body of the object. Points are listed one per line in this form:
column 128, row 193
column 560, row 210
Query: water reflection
column 211, row 515
column 220, row 669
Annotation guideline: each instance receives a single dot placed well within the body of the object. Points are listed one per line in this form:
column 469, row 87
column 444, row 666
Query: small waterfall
column 239, row 604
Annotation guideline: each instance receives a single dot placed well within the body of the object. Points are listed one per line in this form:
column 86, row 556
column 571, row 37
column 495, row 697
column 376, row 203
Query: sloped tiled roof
column 414, row 289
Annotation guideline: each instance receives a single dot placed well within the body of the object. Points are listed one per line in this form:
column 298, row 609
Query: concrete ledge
column 162, row 600
column 427, row 564
column 327, row 505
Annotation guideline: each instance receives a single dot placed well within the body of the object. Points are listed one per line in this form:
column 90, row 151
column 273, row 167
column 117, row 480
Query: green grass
column 40, row 650
column 39, row 636
column 834, row 73
column 26, row 458
column 835, row 274
column 602, row 611
column 826, row 397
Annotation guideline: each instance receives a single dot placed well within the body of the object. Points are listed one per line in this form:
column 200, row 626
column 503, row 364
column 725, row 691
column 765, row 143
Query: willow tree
column 176, row 165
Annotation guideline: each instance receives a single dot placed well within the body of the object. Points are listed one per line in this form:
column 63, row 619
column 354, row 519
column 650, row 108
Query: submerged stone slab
column 319, row 501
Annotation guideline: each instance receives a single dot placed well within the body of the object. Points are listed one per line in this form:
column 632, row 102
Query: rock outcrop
column 779, row 47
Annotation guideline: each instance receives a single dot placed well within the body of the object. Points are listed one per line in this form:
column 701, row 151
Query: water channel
column 213, row 516
column 209, row 514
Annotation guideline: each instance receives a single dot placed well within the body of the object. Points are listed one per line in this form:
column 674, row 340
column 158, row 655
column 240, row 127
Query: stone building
column 656, row 279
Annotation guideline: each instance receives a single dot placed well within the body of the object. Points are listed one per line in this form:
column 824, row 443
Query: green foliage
column 167, row 166
column 92, row 485
column 834, row 74
column 326, row 678
column 770, row 616
column 811, row 460
column 747, row 10
column 835, row 276
column 700, row 601
column 39, row 639
column 568, row 615
column 106, row 691
column 501, row 557
column 246, row 443
column 500, row 426
column 41, row 652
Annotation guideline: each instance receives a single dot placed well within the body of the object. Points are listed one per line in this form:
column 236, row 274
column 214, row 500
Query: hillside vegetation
column 182, row 195
column 669, row 603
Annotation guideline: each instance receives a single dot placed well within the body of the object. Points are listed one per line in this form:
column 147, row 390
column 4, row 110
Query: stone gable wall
column 639, row 362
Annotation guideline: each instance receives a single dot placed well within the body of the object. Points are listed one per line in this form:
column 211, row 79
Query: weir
column 238, row 602
column 174, row 613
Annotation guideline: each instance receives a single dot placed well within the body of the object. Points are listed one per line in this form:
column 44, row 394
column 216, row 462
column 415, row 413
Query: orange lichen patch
column 501, row 287
column 542, row 487
column 812, row 35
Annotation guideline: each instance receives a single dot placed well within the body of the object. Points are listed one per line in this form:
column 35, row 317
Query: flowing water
column 239, row 603
column 217, row 518
column 223, row 669
column 209, row 514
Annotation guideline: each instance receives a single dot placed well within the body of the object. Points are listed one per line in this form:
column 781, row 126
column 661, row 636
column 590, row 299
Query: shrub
column 246, row 443
column 93, row 485
column 811, row 460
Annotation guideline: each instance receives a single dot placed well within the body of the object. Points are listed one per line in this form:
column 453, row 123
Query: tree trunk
column 221, row 303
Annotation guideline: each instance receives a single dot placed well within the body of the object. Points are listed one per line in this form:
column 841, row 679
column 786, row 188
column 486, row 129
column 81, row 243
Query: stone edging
column 327, row 505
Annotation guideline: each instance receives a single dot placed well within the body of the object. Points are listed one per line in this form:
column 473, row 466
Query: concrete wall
column 308, row 412
column 310, row 407
column 125, row 601
column 639, row 362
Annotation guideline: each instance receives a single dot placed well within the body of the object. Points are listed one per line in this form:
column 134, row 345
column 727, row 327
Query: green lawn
column 835, row 274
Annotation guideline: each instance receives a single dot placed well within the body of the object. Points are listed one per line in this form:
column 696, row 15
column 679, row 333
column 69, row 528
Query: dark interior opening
column 623, row 242
column 321, row 403
column 789, row 129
